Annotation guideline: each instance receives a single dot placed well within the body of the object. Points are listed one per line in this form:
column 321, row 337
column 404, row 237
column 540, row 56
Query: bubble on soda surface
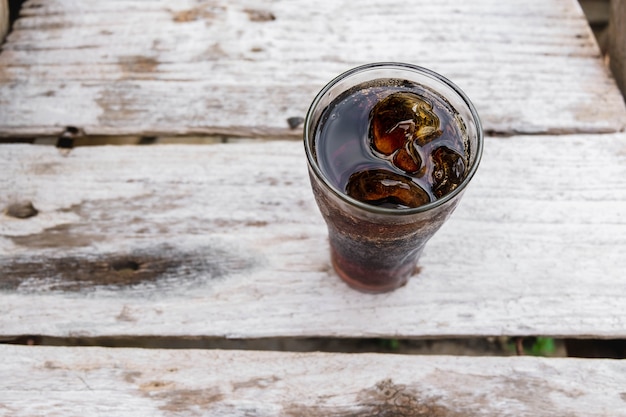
column 384, row 188
column 448, row 170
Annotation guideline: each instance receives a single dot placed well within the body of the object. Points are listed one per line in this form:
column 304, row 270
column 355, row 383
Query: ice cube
column 385, row 188
column 400, row 117
column 409, row 162
column 398, row 123
column 448, row 170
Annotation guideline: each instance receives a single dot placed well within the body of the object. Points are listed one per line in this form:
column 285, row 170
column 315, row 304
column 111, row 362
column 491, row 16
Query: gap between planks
column 477, row 346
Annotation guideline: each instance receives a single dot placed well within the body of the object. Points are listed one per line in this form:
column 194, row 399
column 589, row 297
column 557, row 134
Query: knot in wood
column 21, row 210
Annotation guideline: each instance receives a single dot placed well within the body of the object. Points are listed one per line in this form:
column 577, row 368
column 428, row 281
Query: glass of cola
column 390, row 148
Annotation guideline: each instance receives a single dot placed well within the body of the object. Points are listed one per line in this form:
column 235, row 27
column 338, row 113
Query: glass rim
column 384, row 210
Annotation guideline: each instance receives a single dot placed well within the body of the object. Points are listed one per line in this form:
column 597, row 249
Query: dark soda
column 392, row 143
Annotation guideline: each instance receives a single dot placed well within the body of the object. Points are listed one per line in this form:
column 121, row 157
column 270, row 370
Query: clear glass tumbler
column 376, row 248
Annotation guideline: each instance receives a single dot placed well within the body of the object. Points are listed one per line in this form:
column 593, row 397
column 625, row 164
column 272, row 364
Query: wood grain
column 226, row 240
column 243, row 68
column 40, row 381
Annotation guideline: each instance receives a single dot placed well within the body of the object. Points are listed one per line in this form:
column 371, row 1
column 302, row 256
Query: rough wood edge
column 617, row 42
column 4, row 19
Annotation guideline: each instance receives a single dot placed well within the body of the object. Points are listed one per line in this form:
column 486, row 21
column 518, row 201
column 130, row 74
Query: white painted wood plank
column 242, row 68
column 226, row 240
column 46, row 381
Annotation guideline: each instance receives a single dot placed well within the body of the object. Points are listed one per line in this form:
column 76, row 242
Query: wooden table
column 185, row 242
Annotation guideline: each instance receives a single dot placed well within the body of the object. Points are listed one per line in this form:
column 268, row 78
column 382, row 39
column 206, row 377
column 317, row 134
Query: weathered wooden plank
column 45, row 381
column 4, row 19
column 617, row 42
column 242, row 68
column 226, row 240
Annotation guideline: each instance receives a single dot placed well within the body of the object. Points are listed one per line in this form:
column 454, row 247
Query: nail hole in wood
column 148, row 140
column 22, row 210
column 260, row 15
column 125, row 265
column 65, row 143
column 71, row 131
column 294, row 122
column 66, row 140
